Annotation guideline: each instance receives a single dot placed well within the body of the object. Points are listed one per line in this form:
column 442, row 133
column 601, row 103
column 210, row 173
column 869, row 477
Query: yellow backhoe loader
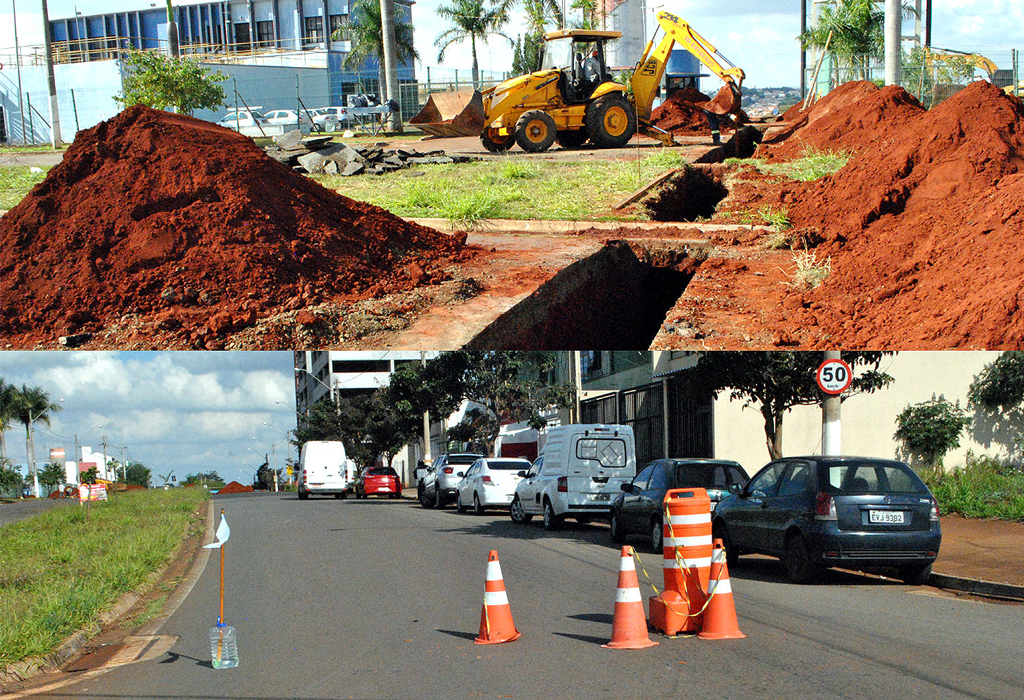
column 564, row 101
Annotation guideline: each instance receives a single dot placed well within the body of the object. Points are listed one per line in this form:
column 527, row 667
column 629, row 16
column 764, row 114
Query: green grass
column 779, row 218
column 15, row 182
column 814, row 164
column 982, row 488
column 510, row 188
column 58, row 570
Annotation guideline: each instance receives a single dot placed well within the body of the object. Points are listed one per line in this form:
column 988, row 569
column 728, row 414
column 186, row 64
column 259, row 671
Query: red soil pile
column 235, row 487
column 679, row 113
column 152, row 212
column 924, row 226
column 852, row 117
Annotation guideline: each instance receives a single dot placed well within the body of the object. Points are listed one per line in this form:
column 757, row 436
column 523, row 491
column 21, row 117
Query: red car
column 378, row 481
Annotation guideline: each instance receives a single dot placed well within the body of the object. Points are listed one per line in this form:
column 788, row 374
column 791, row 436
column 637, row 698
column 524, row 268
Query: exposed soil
column 192, row 229
column 684, row 111
column 922, row 228
column 235, row 487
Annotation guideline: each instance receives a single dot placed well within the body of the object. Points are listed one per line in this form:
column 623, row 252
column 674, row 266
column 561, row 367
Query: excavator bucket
column 451, row 114
column 727, row 101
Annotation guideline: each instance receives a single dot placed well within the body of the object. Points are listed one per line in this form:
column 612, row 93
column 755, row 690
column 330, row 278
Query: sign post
column 834, row 377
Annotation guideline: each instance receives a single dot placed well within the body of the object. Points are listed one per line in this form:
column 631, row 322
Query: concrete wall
column 271, row 87
column 869, row 420
column 94, row 85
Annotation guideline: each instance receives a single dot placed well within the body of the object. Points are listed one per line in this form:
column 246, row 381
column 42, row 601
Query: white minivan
column 581, row 468
column 323, row 469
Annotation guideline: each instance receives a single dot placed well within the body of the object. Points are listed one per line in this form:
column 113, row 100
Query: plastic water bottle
column 223, row 646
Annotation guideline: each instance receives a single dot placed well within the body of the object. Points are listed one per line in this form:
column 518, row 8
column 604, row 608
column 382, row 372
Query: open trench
column 617, row 298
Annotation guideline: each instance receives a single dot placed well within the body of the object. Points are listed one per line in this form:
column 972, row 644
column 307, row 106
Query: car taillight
column 934, row 515
column 486, row 480
column 448, row 470
column 563, row 484
column 825, row 507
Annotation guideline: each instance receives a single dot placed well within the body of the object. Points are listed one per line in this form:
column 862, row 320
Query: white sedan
column 242, row 118
column 324, row 120
column 490, row 483
column 287, row 117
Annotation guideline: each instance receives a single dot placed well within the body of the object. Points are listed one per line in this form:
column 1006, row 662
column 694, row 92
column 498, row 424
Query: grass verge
column 982, row 488
column 58, row 571
column 15, row 183
column 814, row 164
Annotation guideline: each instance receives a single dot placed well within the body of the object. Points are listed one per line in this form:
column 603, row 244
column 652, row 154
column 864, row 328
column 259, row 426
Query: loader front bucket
column 451, row 114
column 727, row 101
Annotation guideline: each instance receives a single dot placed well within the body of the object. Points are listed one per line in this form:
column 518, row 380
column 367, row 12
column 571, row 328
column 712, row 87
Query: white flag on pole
column 223, row 533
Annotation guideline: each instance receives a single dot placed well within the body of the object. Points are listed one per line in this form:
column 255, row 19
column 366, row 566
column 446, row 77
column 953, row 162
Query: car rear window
column 463, row 459
column 382, row 471
column 871, row 478
column 511, row 464
column 609, row 452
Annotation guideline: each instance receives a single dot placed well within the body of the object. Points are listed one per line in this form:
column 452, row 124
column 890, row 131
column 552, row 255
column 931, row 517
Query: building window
column 265, row 33
column 314, row 31
column 242, row 37
column 340, row 28
column 358, row 366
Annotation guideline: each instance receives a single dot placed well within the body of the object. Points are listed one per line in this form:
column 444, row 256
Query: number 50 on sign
column 834, row 376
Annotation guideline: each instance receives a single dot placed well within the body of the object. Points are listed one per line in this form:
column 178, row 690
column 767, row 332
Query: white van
column 323, row 469
column 581, row 468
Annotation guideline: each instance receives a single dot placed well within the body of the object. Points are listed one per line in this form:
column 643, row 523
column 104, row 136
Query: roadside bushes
column 983, row 487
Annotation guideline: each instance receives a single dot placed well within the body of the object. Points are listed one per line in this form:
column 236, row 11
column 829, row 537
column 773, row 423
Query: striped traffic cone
column 629, row 625
column 496, row 624
column 720, row 615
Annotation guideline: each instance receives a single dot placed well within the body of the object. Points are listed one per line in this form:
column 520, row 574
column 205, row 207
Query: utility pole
column 51, row 83
column 17, row 64
column 831, row 434
column 105, row 475
column 387, row 16
column 427, row 459
column 30, row 455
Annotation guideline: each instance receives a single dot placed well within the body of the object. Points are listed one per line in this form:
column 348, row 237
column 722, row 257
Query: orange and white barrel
column 686, row 561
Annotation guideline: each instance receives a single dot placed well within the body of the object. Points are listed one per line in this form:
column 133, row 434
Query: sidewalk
column 981, row 550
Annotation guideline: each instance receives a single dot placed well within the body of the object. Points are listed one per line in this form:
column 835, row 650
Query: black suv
column 640, row 506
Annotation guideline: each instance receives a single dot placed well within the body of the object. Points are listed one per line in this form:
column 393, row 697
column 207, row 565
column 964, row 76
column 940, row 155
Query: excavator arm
column 651, row 67
column 932, row 53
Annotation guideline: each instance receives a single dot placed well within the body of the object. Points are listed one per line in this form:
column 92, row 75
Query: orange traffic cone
column 629, row 625
column 496, row 624
column 720, row 615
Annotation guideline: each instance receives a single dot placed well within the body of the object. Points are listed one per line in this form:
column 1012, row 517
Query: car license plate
column 887, row 517
column 599, row 497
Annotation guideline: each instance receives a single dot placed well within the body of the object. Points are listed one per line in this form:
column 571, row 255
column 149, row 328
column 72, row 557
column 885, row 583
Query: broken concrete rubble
column 321, row 155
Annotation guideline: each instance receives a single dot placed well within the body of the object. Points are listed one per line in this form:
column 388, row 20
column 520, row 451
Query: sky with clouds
column 187, row 411
column 759, row 37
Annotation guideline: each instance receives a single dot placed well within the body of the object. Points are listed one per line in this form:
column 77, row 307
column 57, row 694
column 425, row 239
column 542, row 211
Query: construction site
column 162, row 231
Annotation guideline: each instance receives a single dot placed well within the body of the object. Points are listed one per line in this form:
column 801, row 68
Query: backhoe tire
column 571, row 139
column 496, row 143
column 611, row 121
column 535, row 131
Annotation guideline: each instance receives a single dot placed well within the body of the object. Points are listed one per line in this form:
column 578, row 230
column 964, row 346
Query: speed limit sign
column 834, row 376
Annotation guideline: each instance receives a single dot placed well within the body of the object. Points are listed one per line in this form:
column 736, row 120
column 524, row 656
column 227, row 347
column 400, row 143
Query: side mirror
column 758, row 493
column 522, row 473
column 735, row 489
column 628, row 488
column 460, row 473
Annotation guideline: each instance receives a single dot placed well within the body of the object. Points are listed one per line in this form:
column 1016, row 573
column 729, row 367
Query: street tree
column 506, row 386
column 210, row 478
column 473, row 21
column 160, row 81
column 137, row 474
column 775, row 382
column 10, row 477
column 52, row 475
column 366, row 35
column 89, row 476
column 8, row 413
column 344, row 420
column 1000, row 384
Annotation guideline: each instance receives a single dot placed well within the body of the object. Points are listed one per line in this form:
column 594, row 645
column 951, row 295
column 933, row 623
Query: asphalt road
column 381, row 599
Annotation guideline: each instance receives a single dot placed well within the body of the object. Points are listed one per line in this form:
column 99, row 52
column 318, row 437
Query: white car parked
column 288, row 117
column 242, row 118
column 490, row 483
column 324, row 120
column 581, row 468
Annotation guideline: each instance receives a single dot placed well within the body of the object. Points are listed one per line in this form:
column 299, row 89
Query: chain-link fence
column 931, row 75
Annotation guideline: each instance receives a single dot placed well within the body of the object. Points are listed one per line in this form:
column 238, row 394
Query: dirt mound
column 235, row 487
column 923, row 228
column 156, row 213
column 679, row 113
column 853, row 117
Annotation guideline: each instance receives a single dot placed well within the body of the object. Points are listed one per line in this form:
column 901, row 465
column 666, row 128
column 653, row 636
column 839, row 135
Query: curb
column 988, row 589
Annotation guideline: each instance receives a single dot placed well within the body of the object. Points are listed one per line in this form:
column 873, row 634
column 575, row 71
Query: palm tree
column 8, row 392
column 367, row 37
column 32, row 405
column 472, row 20
column 856, row 28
